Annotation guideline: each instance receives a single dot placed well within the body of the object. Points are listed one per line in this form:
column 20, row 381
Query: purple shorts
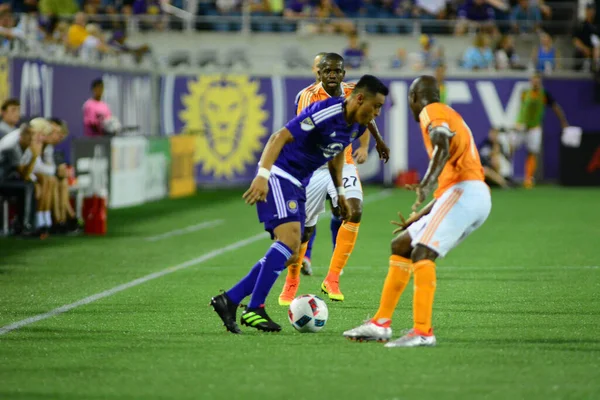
column 285, row 203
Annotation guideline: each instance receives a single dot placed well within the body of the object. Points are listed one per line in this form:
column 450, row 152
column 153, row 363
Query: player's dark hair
column 331, row 57
column 96, row 83
column 371, row 85
column 8, row 103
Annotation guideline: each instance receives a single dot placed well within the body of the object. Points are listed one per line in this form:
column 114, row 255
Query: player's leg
column 534, row 146
column 281, row 253
column 458, row 212
column 336, row 220
column 283, row 214
column 292, row 279
column 347, row 234
column 379, row 327
column 316, row 191
column 306, row 261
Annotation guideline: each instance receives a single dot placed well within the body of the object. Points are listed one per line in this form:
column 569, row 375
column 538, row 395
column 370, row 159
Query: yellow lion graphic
column 226, row 113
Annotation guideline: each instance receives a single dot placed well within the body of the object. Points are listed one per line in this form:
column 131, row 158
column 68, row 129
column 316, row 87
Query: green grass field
column 517, row 309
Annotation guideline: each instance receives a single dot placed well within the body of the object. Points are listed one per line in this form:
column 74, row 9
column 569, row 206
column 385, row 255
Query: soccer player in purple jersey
column 318, row 135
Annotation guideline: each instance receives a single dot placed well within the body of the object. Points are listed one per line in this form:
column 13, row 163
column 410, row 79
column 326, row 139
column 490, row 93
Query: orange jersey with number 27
column 464, row 163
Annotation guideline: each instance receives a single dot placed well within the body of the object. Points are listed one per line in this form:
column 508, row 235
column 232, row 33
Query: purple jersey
column 320, row 132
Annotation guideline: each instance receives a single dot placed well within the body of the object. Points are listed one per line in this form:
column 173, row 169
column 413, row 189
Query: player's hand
column 405, row 223
column 343, row 206
column 383, row 151
column 259, row 188
column 360, row 155
column 423, row 192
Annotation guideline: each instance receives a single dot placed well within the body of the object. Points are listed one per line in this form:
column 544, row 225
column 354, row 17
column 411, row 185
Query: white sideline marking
column 195, row 261
column 187, row 229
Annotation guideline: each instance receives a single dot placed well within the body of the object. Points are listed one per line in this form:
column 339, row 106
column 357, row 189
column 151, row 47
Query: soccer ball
column 308, row 313
column 111, row 126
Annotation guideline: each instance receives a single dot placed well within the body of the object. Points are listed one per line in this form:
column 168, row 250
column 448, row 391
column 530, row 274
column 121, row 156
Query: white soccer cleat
column 370, row 331
column 413, row 339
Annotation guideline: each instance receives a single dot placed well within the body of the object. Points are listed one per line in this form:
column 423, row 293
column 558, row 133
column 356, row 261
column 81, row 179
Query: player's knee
column 308, row 232
column 355, row 210
column 420, row 253
column 401, row 246
column 291, row 238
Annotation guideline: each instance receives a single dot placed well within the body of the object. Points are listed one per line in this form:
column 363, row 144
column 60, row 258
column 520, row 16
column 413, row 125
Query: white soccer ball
column 308, row 313
column 111, row 126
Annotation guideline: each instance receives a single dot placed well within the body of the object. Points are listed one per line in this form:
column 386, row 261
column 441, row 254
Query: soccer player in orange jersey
column 461, row 204
column 331, row 73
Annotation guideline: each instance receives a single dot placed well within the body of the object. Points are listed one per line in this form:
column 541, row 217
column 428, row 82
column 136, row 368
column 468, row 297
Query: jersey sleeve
column 548, row 99
column 435, row 117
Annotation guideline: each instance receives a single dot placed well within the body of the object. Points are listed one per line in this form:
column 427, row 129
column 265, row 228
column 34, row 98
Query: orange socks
column 346, row 239
column 530, row 167
column 294, row 269
column 424, row 291
column 395, row 282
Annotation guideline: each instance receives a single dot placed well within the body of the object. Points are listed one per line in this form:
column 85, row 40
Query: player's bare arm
column 259, row 188
column 440, row 140
column 403, row 224
column 362, row 153
column 560, row 114
column 336, row 165
column 380, row 146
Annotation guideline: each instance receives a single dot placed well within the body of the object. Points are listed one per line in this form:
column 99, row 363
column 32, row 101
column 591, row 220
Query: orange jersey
column 464, row 163
column 315, row 93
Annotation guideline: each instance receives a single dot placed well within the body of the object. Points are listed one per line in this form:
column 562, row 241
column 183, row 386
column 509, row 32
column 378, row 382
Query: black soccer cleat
column 257, row 318
column 226, row 309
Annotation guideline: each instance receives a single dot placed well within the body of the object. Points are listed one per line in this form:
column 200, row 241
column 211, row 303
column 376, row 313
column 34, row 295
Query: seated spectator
column 77, row 33
column 297, row 9
column 43, row 177
column 496, row 160
column 353, row 8
column 587, row 41
column 440, row 77
column 506, row 56
column 479, row 56
column 431, row 10
column 19, row 151
column 330, row 19
column 11, row 115
column 8, row 33
column 94, row 45
column 95, row 111
column 64, row 220
column 354, row 55
column 477, row 14
column 399, row 60
column 525, row 18
column 119, row 45
column 546, row 57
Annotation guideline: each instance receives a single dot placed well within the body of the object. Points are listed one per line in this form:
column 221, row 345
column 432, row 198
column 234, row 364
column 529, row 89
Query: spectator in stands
column 545, row 56
column 94, row 45
column 353, row 8
column 11, row 114
column 354, row 55
column 297, row 9
column 440, row 77
column 77, row 33
column 477, row 14
column 18, row 154
column 525, row 17
column 95, row 111
column 506, row 56
column 496, row 158
column 399, row 60
column 431, row 10
column 331, row 19
column 119, row 45
column 7, row 29
column 64, row 8
column 28, row 27
column 587, row 41
column 479, row 56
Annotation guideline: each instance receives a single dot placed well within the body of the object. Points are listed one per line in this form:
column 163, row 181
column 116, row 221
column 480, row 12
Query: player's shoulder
column 435, row 111
column 321, row 111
